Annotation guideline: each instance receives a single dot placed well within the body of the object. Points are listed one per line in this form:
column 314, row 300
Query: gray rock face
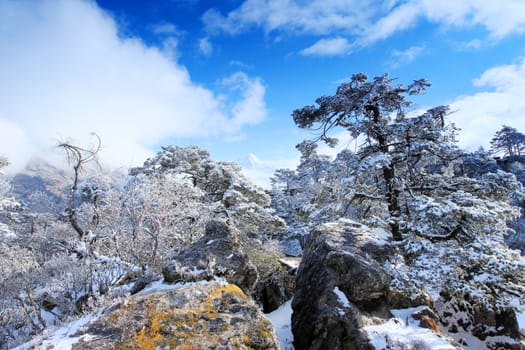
column 336, row 282
column 217, row 253
column 225, row 252
column 210, row 315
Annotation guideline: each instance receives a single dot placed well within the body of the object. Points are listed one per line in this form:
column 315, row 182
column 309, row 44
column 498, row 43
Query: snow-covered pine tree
column 395, row 145
column 508, row 141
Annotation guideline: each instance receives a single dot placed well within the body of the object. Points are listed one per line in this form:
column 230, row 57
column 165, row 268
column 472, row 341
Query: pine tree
column 508, row 141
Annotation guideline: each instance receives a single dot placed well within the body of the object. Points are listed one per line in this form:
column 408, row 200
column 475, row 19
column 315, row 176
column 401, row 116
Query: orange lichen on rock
column 199, row 316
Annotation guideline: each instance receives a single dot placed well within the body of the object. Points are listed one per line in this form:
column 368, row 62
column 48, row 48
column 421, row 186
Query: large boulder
column 337, row 282
column 226, row 252
column 205, row 315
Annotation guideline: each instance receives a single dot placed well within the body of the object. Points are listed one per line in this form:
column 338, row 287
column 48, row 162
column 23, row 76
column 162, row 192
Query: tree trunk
column 388, row 175
column 73, row 206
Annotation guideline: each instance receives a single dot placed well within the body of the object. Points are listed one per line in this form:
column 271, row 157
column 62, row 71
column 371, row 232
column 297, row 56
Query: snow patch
column 380, row 236
column 403, row 329
column 341, row 297
column 281, row 320
column 62, row 338
column 521, row 319
column 291, row 263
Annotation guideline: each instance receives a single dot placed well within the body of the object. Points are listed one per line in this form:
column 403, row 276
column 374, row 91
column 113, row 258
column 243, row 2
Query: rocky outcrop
column 218, row 253
column 205, row 315
column 225, row 252
column 337, row 282
column 344, row 291
column 496, row 327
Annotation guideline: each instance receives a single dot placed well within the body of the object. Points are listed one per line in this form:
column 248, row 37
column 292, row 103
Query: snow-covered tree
column 295, row 193
column 9, row 206
column 450, row 209
column 508, row 141
column 147, row 220
column 230, row 194
column 394, row 144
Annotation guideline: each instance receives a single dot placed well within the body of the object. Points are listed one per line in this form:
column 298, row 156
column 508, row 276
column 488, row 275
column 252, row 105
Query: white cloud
column 261, row 170
column 328, row 47
column 165, row 28
column 406, row 56
column 170, row 47
column 499, row 18
column 205, row 46
column 482, row 114
column 368, row 21
column 316, row 16
column 251, row 108
column 65, row 73
column 398, row 19
column 473, row 44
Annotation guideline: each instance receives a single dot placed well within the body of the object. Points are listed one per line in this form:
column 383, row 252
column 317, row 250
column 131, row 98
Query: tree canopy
column 376, row 112
column 508, row 141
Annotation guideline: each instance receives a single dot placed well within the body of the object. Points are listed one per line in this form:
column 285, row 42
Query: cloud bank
column 500, row 103
column 66, row 72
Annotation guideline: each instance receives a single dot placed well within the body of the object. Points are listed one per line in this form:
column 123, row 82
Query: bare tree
column 78, row 157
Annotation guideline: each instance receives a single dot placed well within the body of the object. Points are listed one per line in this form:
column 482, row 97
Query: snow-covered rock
column 226, row 252
column 205, row 315
column 337, row 282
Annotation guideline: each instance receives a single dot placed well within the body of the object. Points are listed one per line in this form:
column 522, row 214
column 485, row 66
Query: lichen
column 204, row 323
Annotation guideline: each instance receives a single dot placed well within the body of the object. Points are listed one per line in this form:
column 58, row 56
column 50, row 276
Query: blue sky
column 227, row 75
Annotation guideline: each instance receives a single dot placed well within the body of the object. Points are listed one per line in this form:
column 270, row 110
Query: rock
column 47, row 301
column 143, row 281
column 402, row 299
column 205, row 315
column 497, row 327
column 217, row 253
column 225, row 252
column 337, row 282
column 427, row 319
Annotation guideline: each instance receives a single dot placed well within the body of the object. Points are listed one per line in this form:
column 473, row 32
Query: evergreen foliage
column 508, row 141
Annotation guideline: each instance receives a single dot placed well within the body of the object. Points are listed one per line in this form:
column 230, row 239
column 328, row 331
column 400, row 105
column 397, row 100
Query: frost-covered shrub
column 472, row 282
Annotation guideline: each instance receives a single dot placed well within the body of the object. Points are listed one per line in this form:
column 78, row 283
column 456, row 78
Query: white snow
column 281, row 320
column 403, row 329
column 161, row 286
column 60, row 339
column 290, row 262
column 341, row 297
column 380, row 235
column 521, row 319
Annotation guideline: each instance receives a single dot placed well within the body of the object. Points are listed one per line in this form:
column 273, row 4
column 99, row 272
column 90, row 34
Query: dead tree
column 78, row 157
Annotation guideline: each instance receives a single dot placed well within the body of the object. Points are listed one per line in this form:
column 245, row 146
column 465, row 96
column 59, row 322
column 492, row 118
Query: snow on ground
column 403, row 329
column 380, row 236
column 60, row 339
column 281, row 320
